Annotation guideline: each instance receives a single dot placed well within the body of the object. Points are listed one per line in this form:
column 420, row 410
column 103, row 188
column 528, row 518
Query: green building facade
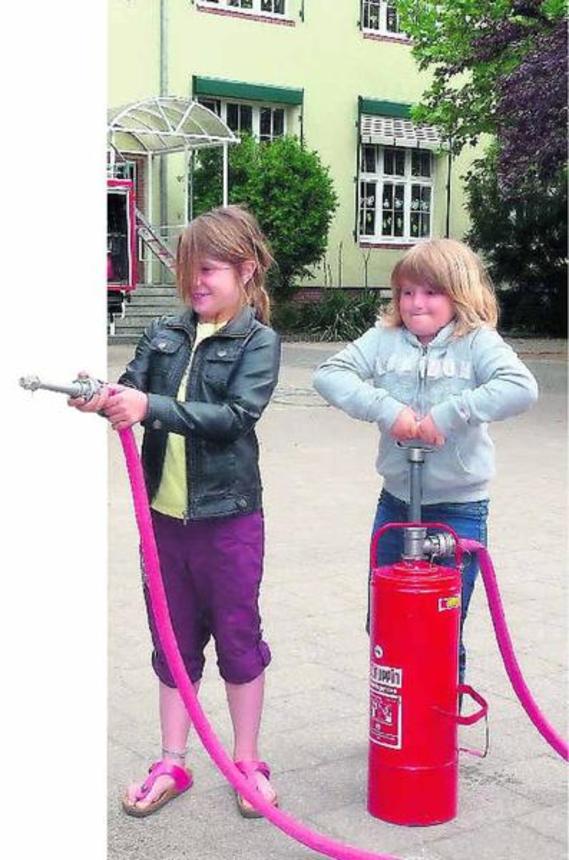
column 336, row 73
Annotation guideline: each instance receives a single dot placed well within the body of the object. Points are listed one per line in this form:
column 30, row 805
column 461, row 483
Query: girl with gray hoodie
column 433, row 369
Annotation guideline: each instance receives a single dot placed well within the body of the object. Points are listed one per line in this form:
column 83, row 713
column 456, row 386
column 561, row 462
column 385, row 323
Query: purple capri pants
column 212, row 572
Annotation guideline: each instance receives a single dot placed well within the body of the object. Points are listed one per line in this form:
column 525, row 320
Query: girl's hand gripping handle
column 94, row 394
column 123, row 406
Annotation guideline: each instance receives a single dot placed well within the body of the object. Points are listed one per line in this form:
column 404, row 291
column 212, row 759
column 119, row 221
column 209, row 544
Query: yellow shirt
column 172, row 496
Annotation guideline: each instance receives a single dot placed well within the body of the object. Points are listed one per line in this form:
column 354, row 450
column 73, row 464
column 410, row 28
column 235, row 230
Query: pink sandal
column 183, row 780
column 249, row 769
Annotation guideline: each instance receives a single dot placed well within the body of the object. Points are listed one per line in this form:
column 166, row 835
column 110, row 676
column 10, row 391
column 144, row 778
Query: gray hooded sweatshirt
column 463, row 382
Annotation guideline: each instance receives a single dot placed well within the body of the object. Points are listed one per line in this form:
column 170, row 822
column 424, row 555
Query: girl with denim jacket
column 198, row 383
column 435, row 370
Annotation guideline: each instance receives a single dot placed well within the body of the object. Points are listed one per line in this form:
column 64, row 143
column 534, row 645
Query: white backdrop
column 53, row 629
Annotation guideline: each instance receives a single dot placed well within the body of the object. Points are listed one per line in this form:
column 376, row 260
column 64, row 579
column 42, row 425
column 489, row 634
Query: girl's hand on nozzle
column 428, row 432
column 126, row 407
column 96, row 404
column 404, row 427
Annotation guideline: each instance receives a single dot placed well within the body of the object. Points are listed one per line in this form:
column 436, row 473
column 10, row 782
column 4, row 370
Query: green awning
column 240, row 91
column 378, row 107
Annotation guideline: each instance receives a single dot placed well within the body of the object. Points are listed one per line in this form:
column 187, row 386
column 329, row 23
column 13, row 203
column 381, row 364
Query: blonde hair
column 455, row 269
column 231, row 235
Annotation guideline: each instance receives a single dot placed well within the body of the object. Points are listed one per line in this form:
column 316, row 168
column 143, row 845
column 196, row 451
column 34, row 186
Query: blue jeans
column 468, row 519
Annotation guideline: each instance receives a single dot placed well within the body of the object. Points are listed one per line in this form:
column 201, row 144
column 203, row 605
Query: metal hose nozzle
column 85, row 387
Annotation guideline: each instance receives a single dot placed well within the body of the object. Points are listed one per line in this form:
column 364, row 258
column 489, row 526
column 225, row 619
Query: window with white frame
column 123, row 169
column 271, row 123
column 380, row 16
column 395, row 193
column 265, row 122
column 265, row 7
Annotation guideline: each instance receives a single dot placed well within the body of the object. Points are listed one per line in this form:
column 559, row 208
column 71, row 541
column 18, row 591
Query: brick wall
column 140, row 187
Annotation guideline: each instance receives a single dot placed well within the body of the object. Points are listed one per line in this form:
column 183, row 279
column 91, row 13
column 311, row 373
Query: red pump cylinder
column 414, row 634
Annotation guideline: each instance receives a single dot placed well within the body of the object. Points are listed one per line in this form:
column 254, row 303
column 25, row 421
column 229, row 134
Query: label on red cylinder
column 385, row 676
column 385, row 718
column 452, row 602
column 385, row 705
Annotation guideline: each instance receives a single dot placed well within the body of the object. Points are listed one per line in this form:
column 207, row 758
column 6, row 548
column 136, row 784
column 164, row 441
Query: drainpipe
column 358, row 167
column 163, row 92
column 449, row 167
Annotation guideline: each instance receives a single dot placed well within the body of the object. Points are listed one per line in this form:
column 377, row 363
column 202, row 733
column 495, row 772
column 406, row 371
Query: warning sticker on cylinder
column 452, row 602
column 385, row 719
column 386, row 676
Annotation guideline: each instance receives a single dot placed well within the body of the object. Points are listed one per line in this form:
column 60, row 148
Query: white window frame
column 272, row 135
column 255, row 9
column 128, row 167
column 256, row 108
column 382, row 28
column 379, row 179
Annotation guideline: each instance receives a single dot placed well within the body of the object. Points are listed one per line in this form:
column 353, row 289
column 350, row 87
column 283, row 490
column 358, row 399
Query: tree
column 532, row 106
column 288, row 189
column 524, row 246
column 500, row 68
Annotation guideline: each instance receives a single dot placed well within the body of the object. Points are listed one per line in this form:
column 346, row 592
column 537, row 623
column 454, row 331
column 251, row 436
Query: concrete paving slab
column 501, row 842
column 550, row 821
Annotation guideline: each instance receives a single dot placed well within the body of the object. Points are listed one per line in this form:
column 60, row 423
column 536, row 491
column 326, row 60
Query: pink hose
column 290, row 826
column 507, row 651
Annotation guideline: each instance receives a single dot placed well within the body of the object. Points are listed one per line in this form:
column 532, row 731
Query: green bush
column 289, row 191
column 336, row 317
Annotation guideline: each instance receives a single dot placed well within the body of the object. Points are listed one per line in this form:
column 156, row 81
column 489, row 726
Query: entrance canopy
column 164, row 124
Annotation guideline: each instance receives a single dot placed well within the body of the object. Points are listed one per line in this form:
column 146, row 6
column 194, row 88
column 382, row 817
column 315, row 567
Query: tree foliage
column 524, row 245
column 288, row 189
column 498, row 68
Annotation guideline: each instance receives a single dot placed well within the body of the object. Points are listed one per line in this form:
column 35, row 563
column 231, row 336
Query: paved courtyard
column 320, row 492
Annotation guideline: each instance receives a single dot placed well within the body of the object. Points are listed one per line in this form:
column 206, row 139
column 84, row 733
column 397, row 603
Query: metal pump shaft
column 416, row 543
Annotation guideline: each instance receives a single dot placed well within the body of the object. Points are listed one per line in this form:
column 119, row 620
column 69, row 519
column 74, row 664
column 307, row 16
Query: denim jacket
column 463, row 382
column 232, row 378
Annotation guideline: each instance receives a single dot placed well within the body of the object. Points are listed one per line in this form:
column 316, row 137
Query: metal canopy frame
column 165, row 124
column 161, row 125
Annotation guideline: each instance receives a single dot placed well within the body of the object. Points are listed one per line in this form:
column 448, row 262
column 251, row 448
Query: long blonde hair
column 453, row 267
column 231, row 235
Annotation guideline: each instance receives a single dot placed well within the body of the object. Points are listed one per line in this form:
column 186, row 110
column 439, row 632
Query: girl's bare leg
column 245, row 707
column 175, row 726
